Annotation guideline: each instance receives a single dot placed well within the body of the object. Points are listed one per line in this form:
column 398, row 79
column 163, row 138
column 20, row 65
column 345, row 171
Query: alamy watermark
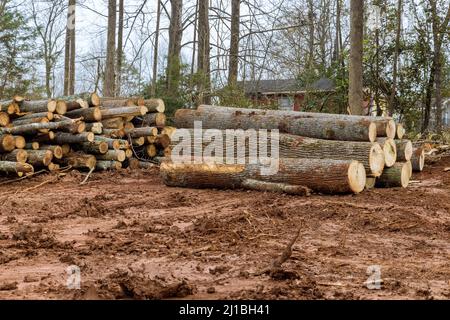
column 374, row 281
column 71, row 17
column 73, row 278
column 212, row 146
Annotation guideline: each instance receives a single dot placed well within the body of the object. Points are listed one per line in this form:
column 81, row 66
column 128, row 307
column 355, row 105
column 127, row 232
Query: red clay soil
column 134, row 238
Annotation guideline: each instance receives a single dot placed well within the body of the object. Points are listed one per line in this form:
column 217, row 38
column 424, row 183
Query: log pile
column 326, row 153
column 83, row 132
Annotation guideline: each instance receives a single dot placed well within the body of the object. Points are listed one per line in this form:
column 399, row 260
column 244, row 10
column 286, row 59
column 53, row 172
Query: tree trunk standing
column 109, row 84
column 120, row 48
column 355, row 94
column 155, row 50
column 311, row 35
column 69, row 58
column 173, row 57
column 396, row 55
column 203, row 61
column 72, row 50
column 234, row 42
column 194, row 46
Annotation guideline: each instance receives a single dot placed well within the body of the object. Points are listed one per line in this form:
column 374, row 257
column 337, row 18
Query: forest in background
column 195, row 51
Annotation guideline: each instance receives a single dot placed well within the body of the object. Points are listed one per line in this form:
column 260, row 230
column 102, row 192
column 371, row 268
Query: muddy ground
column 132, row 237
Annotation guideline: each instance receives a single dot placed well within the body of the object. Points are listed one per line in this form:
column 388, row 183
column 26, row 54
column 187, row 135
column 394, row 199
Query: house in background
column 284, row 94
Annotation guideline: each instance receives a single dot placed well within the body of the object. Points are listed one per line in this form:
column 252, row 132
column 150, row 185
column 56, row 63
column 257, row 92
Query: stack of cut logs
column 325, row 153
column 80, row 132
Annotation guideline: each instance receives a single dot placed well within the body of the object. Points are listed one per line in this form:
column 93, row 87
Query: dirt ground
column 132, row 237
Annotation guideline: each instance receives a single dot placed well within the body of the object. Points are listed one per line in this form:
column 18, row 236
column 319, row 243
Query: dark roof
column 285, row 86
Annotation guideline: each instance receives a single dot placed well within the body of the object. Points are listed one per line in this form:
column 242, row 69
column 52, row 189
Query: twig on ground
column 87, row 177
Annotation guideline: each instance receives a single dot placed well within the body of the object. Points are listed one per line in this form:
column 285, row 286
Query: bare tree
column 396, row 54
column 70, row 52
column 156, row 48
column 120, row 57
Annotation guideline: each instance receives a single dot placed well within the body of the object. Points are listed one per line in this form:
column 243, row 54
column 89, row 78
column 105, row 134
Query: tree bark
column 113, row 155
column 57, row 150
column 397, row 176
column 418, row 159
column 120, row 57
column 95, row 147
column 173, row 56
column 234, row 43
column 108, row 165
column 319, row 128
column 156, row 49
column 404, row 150
column 142, row 132
column 89, row 114
column 20, row 156
column 396, row 55
column 15, row 167
column 355, row 95
column 123, row 112
column 326, row 176
column 203, row 59
column 110, row 78
column 386, row 127
column 33, row 128
column 38, row 106
column 68, row 138
column 40, row 158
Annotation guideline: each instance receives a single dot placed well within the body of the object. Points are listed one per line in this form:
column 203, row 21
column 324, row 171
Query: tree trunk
column 95, row 147
column 397, row 176
column 369, row 154
column 20, row 156
column 38, row 106
column 120, row 57
column 234, row 43
column 33, row 128
column 67, row 138
column 173, row 56
column 418, row 160
column 40, row 158
column 390, row 150
column 109, row 83
column 320, row 128
column 355, row 95
column 156, row 49
column 142, row 132
column 89, row 114
column 396, row 55
column 326, row 176
column 113, row 155
column 20, row 142
column 155, row 105
column 57, row 150
column 123, row 112
column 386, row 127
column 404, row 150
column 95, row 127
column 154, row 119
column 15, row 167
column 116, row 144
column 80, row 161
column 108, row 165
column 203, row 59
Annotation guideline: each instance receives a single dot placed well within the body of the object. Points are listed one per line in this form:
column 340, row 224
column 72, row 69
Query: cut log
column 96, row 147
column 20, row 142
column 117, row 103
column 154, row 119
column 390, row 151
column 145, row 165
column 108, row 165
column 396, row 176
column 123, row 112
column 68, row 138
column 53, row 167
column 129, row 153
column 138, row 142
column 151, row 150
column 410, row 168
column 371, row 155
column 38, row 106
column 4, row 119
column 404, row 150
column 15, row 156
column 128, row 126
column 370, row 182
column 57, row 150
column 32, row 146
column 33, row 128
column 44, row 138
column 257, row 185
column 319, row 128
column 113, row 133
column 80, row 161
column 163, row 141
column 142, row 132
column 76, row 104
column 400, row 131
column 326, row 176
column 22, row 122
column 61, row 107
column 155, row 105
column 40, row 158
column 67, row 149
column 113, row 155
column 90, row 115
column 116, row 144
column 386, row 127
column 48, row 115
column 113, row 123
column 95, row 127
column 170, row 131
column 7, row 143
column 16, row 168
column 418, row 159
